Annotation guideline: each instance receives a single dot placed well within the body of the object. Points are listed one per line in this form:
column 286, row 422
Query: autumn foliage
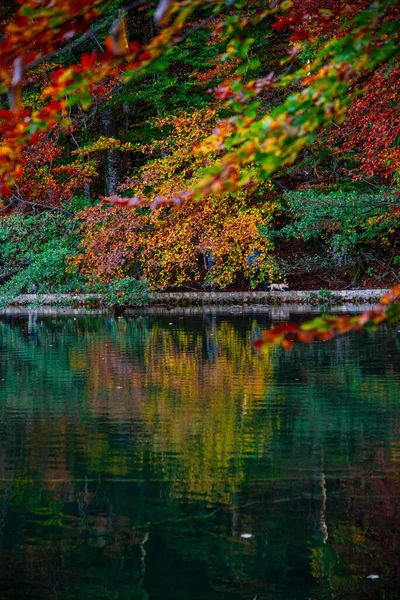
column 174, row 135
column 327, row 327
column 166, row 243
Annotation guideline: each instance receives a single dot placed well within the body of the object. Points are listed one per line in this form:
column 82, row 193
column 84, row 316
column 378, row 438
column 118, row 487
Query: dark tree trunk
column 112, row 159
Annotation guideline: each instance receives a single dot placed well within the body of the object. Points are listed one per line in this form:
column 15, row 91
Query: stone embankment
column 271, row 298
column 175, row 299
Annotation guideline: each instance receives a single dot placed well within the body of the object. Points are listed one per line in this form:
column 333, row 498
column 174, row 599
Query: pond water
column 160, row 457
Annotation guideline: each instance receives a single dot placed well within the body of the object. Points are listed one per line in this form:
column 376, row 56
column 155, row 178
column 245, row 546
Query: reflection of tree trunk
column 32, row 320
column 112, row 159
column 212, row 348
column 322, row 521
column 318, row 503
column 143, row 554
column 235, row 515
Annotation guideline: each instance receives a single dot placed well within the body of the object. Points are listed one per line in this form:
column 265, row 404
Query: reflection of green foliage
column 329, row 571
column 150, row 443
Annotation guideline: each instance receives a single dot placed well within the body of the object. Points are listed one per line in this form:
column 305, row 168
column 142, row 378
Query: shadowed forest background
column 328, row 220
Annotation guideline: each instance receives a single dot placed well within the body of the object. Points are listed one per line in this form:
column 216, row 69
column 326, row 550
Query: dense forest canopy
column 195, row 143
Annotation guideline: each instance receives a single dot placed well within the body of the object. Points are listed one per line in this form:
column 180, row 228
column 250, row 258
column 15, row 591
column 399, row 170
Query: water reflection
column 160, row 457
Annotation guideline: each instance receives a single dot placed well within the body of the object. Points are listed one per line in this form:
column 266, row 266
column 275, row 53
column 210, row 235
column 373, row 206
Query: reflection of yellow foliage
column 395, row 452
column 197, row 413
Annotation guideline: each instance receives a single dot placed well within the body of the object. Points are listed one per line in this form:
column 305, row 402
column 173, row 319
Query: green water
column 162, row 458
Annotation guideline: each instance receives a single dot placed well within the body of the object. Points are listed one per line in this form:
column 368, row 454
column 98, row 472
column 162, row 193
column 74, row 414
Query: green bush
column 23, row 237
column 125, row 292
column 47, row 273
column 345, row 222
column 34, row 253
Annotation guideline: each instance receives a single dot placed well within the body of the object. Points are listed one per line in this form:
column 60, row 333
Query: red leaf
column 287, row 344
column 305, row 336
column 300, row 34
column 135, row 46
column 324, row 336
column 285, row 328
column 282, row 24
column 117, row 200
column 259, row 344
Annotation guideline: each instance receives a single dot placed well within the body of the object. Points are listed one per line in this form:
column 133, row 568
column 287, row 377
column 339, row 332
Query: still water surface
column 162, row 458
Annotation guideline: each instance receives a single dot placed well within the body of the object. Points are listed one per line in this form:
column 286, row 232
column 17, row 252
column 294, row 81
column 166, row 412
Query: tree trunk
column 112, row 159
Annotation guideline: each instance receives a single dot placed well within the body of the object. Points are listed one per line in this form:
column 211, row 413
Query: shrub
column 34, row 255
column 124, row 292
column 346, row 223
